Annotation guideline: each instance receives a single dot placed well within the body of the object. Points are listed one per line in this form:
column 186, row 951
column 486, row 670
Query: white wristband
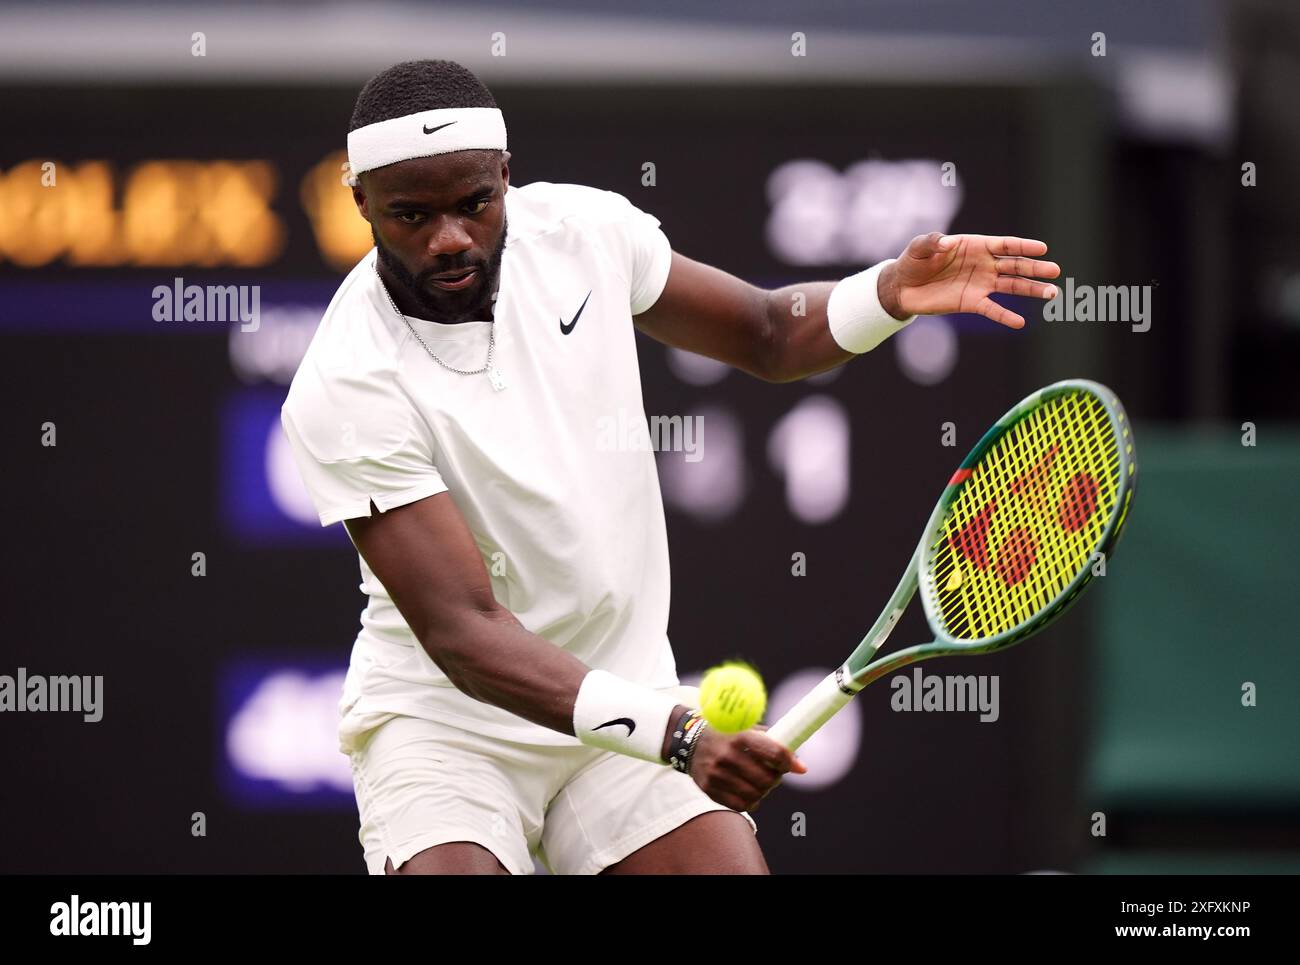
column 618, row 715
column 857, row 320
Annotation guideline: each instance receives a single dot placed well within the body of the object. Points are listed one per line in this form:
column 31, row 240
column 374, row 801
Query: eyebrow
column 401, row 202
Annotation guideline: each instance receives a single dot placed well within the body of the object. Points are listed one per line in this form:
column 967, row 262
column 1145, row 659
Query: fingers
column 957, row 273
column 737, row 794
column 1003, row 316
column 784, row 762
column 1008, row 282
column 769, row 752
column 1023, row 286
column 1029, row 267
column 924, row 246
column 734, row 789
column 746, row 769
column 1007, row 245
column 761, row 761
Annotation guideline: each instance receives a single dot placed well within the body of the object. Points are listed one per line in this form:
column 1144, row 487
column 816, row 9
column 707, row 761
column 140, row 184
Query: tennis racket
column 1015, row 539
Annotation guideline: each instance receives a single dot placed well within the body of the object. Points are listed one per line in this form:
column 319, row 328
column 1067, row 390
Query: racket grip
column 805, row 718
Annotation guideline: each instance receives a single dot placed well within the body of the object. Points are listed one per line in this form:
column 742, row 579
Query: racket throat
column 844, row 681
column 887, row 626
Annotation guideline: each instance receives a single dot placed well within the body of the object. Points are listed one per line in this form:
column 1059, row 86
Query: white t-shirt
column 570, row 527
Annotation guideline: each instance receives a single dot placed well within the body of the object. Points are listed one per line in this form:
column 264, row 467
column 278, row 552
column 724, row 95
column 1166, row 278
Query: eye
column 409, row 217
column 479, row 205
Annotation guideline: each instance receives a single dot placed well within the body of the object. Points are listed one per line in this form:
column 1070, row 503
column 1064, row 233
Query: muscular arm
column 427, row 559
column 783, row 335
column 777, row 336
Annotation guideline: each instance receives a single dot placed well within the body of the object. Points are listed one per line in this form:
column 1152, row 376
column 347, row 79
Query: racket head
column 1017, row 533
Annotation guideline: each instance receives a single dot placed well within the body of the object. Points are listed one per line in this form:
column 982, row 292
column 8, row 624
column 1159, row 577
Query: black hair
column 415, row 86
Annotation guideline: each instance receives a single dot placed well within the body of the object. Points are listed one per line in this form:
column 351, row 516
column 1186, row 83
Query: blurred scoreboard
column 252, row 179
column 112, row 196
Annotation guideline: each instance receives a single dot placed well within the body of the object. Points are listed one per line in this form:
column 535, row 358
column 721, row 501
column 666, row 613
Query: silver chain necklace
column 493, row 373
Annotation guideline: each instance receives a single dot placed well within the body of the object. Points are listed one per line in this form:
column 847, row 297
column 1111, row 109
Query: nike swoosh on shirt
column 430, row 130
column 566, row 329
column 627, row 722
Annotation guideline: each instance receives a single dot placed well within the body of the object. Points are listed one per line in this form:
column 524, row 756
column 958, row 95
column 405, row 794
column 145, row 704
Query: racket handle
column 805, row 718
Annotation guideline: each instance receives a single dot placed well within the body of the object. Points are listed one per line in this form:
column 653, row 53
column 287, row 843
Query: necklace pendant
column 497, row 380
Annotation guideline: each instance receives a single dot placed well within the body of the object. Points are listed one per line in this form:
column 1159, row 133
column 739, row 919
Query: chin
column 465, row 303
column 450, row 312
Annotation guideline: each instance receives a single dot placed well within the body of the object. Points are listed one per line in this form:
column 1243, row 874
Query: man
column 512, row 690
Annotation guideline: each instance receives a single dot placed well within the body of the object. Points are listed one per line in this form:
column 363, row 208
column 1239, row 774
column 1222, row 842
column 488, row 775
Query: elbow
column 443, row 648
column 775, row 357
column 776, row 374
column 767, row 371
column 768, row 364
column 773, row 364
column 454, row 644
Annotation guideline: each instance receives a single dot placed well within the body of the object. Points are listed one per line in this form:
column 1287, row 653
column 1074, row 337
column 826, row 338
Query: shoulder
column 544, row 206
column 346, row 400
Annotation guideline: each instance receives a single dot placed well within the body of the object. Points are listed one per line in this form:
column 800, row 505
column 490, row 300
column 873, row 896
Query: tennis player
column 512, row 691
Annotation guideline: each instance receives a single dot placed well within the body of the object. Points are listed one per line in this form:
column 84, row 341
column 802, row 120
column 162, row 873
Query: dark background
column 101, row 528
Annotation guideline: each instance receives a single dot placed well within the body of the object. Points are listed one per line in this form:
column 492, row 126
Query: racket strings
column 1028, row 519
column 1033, row 472
column 1034, row 475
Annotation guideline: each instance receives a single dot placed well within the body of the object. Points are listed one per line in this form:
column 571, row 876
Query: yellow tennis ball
column 732, row 697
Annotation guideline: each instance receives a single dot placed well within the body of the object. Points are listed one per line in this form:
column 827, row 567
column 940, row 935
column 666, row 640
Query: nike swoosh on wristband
column 438, row 128
column 627, row 722
column 565, row 330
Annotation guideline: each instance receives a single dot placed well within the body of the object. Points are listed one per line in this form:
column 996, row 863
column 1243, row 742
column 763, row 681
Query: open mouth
column 456, row 282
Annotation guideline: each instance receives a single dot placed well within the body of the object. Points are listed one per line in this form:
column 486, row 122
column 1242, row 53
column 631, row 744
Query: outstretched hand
column 938, row 273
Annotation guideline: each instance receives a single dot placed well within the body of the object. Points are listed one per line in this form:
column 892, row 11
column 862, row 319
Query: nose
column 449, row 238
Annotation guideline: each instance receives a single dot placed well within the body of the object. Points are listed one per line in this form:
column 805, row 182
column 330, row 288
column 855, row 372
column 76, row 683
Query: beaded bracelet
column 685, row 736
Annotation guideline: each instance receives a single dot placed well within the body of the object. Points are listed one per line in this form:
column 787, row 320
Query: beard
column 448, row 307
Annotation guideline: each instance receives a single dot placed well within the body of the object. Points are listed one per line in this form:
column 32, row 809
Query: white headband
column 424, row 135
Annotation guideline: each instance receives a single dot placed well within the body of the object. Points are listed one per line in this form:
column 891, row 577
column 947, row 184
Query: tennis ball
column 732, row 697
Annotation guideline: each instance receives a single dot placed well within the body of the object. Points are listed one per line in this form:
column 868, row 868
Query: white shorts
column 421, row 783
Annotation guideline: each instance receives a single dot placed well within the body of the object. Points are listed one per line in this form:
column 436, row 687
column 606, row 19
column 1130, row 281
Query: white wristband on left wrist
column 857, row 320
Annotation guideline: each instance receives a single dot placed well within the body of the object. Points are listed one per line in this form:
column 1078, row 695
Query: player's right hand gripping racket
column 1031, row 514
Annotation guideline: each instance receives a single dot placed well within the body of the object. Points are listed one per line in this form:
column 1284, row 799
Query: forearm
column 801, row 339
column 503, row 664
column 489, row 655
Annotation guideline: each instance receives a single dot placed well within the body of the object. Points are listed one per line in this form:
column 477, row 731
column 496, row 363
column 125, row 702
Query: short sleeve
column 645, row 250
column 343, row 488
column 651, row 257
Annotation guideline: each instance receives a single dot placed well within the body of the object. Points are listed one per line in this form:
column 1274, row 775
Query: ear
column 359, row 198
column 505, row 168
